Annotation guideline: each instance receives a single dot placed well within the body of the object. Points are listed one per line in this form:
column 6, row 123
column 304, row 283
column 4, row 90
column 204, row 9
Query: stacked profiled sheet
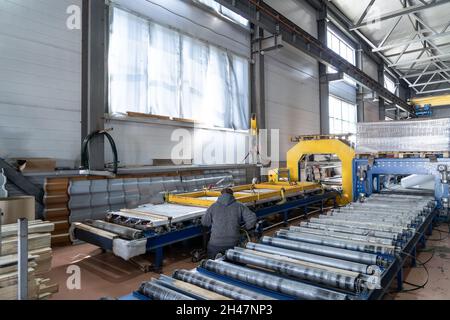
column 404, row 136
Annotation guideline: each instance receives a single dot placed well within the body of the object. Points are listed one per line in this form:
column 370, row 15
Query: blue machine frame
column 157, row 242
column 367, row 173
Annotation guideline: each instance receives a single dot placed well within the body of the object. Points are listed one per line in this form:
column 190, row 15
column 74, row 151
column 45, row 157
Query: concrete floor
column 438, row 286
column 104, row 275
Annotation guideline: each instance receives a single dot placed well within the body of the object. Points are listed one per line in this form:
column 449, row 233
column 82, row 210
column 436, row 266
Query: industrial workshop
column 224, row 150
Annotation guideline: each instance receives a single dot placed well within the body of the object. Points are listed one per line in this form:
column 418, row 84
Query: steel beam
column 94, row 84
column 401, row 44
column 381, row 104
column 434, row 91
column 324, row 88
column 429, row 83
column 419, row 61
column 360, row 90
column 399, row 13
column 274, row 22
column 258, row 83
column 413, row 75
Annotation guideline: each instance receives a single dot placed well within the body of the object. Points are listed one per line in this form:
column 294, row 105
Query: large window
column 224, row 11
column 390, row 85
column 343, row 116
column 157, row 70
column 343, row 49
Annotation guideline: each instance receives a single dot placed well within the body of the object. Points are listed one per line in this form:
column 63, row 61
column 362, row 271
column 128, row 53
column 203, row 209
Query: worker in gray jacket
column 225, row 217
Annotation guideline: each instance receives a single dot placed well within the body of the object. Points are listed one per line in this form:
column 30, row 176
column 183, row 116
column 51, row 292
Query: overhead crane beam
column 271, row 20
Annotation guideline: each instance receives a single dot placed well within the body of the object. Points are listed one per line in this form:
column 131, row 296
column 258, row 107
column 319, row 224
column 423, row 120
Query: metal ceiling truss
column 264, row 16
column 431, row 60
column 341, row 20
column 399, row 13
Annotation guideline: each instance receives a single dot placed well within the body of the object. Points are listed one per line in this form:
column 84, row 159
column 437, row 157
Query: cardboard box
column 17, row 207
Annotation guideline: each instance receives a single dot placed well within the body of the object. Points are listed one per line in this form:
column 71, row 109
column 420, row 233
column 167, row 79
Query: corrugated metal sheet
column 92, row 199
column 40, row 80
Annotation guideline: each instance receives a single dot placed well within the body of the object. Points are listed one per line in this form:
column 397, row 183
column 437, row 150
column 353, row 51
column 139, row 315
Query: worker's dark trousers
column 213, row 250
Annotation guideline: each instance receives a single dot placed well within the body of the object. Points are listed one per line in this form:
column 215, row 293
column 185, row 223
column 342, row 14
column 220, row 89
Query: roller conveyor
column 338, row 243
column 350, row 230
column 268, row 281
column 220, row 287
column 314, row 260
column 344, row 236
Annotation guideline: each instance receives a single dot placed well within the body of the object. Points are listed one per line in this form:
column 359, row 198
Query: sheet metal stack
column 331, row 257
column 403, row 136
column 39, row 260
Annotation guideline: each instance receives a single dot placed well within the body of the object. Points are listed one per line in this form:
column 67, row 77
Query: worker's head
column 227, row 191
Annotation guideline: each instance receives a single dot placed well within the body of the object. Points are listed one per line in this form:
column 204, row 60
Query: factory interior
column 224, row 150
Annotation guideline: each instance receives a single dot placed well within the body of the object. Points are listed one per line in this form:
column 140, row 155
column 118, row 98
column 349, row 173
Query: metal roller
column 386, row 220
column 311, row 274
column 389, row 206
column 271, row 282
column 158, row 292
column 313, row 258
column 378, row 213
column 364, row 225
column 350, row 230
column 356, row 256
column 404, row 220
column 337, row 243
column 403, row 196
column 344, row 236
column 219, row 287
column 367, row 221
column 122, row 231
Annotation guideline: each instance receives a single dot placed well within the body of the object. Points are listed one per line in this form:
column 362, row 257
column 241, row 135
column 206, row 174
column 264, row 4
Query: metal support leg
column 413, row 258
column 286, row 217
column 400, row 280
column 430, row 229
column 22, row 287
column 159, row 257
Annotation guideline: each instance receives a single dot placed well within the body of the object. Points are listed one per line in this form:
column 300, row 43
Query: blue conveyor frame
column 156, row 242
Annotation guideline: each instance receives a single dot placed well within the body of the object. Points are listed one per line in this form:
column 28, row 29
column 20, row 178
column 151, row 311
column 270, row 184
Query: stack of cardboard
column 39, row 260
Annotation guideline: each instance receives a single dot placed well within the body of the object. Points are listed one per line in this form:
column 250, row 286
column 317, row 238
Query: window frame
column 332, row 118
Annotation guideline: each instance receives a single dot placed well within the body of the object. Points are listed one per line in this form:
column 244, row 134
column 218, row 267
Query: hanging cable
column 85, row 151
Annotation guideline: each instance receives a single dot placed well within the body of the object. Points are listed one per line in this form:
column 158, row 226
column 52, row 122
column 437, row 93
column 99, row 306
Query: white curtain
column 157, row 70
column 128, row 63
column 164, row 71
column 195, row 55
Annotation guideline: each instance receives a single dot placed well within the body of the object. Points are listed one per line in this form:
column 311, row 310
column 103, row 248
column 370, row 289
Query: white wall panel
column 40, row 81
column 140, row 143
column 292, row 95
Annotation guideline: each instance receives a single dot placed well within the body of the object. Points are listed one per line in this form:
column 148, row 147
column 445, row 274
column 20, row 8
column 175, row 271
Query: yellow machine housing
column 321, row 145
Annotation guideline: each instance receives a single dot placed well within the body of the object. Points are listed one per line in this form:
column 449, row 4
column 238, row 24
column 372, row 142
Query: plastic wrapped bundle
column 404, row 136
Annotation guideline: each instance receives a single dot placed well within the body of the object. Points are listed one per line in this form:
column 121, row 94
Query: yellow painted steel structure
column 245, row 193
column 436, row 101
column 325, row 146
